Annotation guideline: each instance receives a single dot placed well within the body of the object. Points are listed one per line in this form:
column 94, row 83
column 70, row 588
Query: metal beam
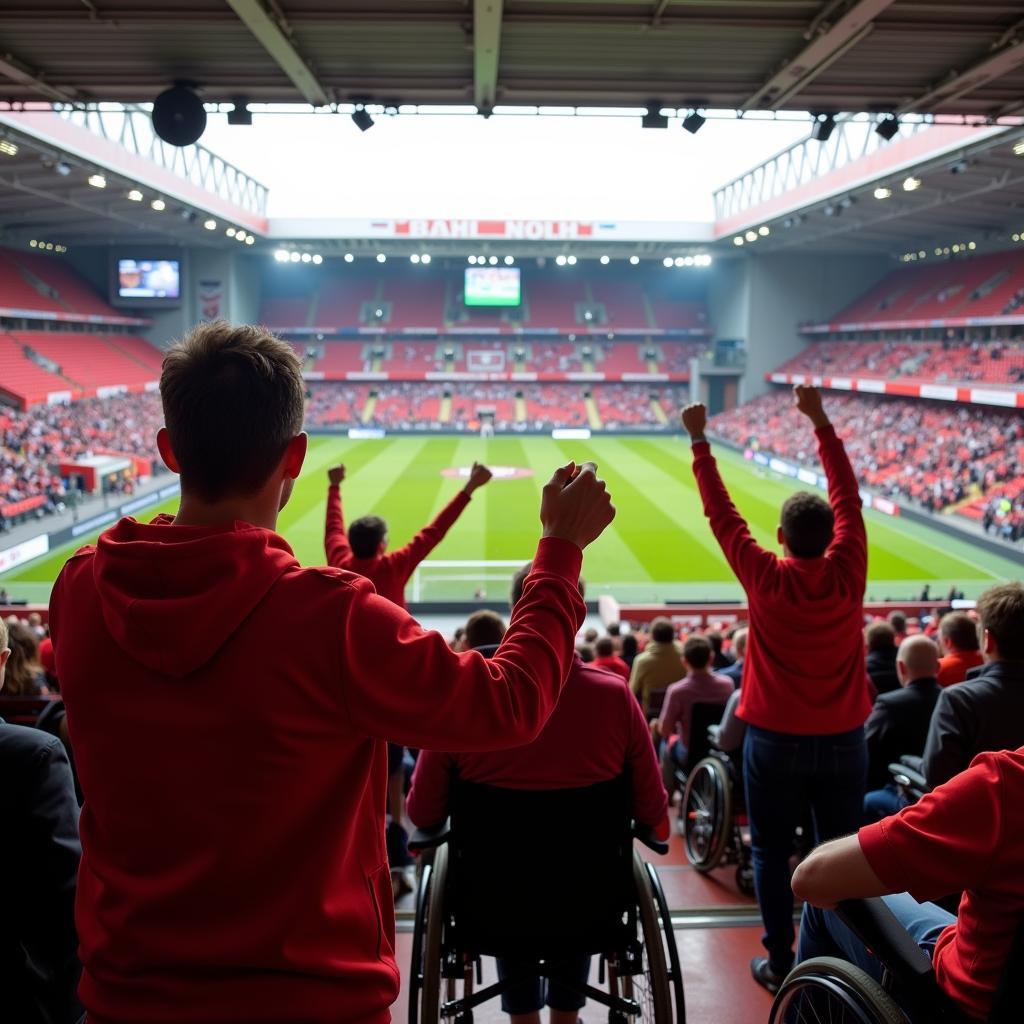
column 20, row 72
column 487, row 15
column 272, row 33
column 827, row 41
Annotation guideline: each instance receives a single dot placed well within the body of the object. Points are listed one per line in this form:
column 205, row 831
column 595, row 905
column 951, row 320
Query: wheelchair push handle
column 645, row 834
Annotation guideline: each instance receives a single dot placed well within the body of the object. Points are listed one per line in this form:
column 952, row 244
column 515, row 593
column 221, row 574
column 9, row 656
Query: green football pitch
column 659, row 547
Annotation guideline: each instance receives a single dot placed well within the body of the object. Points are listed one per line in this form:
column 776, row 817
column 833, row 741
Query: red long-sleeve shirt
column 804, row 671
column 389, row 572
column 595, row 734
column 228, row 710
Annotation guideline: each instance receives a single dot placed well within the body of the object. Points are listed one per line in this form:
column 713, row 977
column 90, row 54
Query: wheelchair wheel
column 829, row 989
column 649, row 988
column 707, row 811
column 675, row 970
column 429, row 968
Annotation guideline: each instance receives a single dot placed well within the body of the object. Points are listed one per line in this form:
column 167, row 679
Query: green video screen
column 492, row 286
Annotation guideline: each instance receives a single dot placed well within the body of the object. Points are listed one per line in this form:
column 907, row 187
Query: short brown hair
column 879, row 636
column 483, row 629
column 807, row 524
column 697, row 651
column 233, row 399
column 960, row 630
column 1001, row 612
column 519, row 581
column 662, row 631
column 605, row 647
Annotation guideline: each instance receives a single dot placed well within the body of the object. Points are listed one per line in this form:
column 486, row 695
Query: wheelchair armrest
column 914, row 762
column 907, row 777
column 646, row 836
column 430, row 838
column 880, row 930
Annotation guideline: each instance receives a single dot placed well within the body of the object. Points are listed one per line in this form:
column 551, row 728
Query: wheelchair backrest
column 701, row 717
column 540, row 872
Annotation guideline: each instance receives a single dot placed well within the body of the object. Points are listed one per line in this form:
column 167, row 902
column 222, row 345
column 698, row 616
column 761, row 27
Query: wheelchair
column 829, row 989
column 539, row 877
column 712, row 817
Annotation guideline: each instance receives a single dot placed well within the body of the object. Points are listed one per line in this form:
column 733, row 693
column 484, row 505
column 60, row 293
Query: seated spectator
column 596, row 733
column 880, row 662
column 719, row 658
column 985, row 712
column 658, row 665
column 699, row 686
column 25, row 676
column 484, row 629
column 606, row 658
column 39, row 969
column 899, row 722
column 585, row 653
column 728, row 734
column 630, row 650
column 958, row 634
column 963, row 836
column 739, row 647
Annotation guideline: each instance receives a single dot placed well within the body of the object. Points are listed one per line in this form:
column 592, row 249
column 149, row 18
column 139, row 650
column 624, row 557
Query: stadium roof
column 921, row 56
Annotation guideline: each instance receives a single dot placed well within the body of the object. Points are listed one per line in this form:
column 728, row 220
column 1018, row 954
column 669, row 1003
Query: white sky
column 580, row 168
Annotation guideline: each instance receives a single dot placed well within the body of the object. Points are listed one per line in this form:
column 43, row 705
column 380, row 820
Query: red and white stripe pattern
column 1007, row 397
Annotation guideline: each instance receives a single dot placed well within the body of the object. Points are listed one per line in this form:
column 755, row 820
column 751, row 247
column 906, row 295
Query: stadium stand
column 90, row 360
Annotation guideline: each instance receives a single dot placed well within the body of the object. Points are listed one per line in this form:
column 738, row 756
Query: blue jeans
column 823, row 934
column 529, row 996
column 792, row 780
column 882, row 803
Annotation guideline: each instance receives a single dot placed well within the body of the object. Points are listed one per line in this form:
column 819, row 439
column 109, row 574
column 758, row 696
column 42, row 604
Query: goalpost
column 463, row 580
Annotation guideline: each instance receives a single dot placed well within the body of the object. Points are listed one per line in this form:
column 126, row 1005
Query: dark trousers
column 790, row 781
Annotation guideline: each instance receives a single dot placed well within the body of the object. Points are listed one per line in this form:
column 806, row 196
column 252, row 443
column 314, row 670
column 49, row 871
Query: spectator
column 362, row 550
column 39, row 858
column 606, row 658
column 958, row 634
column 719, row 659
column 657, row 666
column 630, row 650
column 590, row 636
column 728, row 734
column 899, row 722
column 699, row 686
column 898, row 621
column 804, row 697
column 985, row 712
column 880, row 663
column 963, row 836
column 255, row 811
column 739, row 646
column 484, row 629
column 596, row 733
column 25, row 676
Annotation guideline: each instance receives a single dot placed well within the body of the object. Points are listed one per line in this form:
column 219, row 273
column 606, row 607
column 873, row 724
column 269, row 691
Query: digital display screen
column 148, row 279
column 492, row 286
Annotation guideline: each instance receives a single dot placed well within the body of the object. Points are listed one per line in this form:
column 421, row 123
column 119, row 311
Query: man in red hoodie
column 362, row 549
column 804, row 696
column 233, row 865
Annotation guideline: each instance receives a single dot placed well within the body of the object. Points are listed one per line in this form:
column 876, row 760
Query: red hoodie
column 804, row 672
column 228, row 710
column 388, row 573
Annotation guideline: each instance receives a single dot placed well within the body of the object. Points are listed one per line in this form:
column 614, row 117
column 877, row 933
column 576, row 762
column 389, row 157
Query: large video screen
column 148, row 279
column 492, row 286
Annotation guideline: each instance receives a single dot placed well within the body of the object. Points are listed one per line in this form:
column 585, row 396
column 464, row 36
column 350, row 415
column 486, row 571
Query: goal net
column 463, row 580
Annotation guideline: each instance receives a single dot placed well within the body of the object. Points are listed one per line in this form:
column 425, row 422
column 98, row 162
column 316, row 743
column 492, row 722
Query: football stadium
column 512, row 511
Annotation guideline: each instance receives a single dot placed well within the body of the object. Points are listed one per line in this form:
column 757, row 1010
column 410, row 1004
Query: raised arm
column 336, row 543
column 436, row 699
column 747, row 559
column 408, row 557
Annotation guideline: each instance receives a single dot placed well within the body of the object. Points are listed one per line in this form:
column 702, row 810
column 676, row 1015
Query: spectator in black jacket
column 899, row 722
column 719, row 659
column 880, row 663
column 39, row 857
column 986, row 711
column 739, row 646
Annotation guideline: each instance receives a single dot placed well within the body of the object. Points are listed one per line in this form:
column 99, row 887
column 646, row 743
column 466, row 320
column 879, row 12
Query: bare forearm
column 836, row 871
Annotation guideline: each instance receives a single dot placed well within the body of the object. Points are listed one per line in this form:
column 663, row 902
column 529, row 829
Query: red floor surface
column 716, row 974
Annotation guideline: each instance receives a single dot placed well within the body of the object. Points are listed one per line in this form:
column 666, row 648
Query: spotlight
column 634, row 260
column 824, row 126
column 425, row 258
column 693, row 122
column 306, row 257
column 738, row 240
column 240, row 115
column 750, row 236
column 210, row 224
column 294, row 257
column 49, row 246
column 654, row 118
column 471, row 259
column 318, row 259
column 922, row 254
column 679, row 261
column 764, row 231
column 971, row 246
column 687, row 261
column 560, row 260
column 241, row 236
column 250, row 240
column 571, row 260
column 888, row 127
column 179, row 116
column 493, row 261
column 667, row 261
column 830, row 210
column 281, row 255
column 938, row 252
column 97, row 181
column 230, row 232
column 33, row 243
column 381, row 258
column 8, row 148
column 158, row 205
column 911, row 184
column 63, row 168
column 361, row 119
column 349, row 257
column 414, row 258
column 135, row 196
column 509, row 260
column 882, row 192
column 605, row 261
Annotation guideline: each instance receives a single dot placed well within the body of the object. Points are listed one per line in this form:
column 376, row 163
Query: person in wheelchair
column 596, row 733
column 698, row 686
column 967, row 834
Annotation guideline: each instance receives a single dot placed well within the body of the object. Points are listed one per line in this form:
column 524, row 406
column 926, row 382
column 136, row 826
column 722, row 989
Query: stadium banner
column 365, row 434
column 211, row 300
column 1007, row 398
column 58, row 398
column 486, row 360
column 12, row 557
column 570, row 434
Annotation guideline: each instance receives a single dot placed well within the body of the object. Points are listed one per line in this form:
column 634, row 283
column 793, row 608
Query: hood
column 172, row 596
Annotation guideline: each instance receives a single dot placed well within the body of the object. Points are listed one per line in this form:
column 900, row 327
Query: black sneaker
column 764, row 975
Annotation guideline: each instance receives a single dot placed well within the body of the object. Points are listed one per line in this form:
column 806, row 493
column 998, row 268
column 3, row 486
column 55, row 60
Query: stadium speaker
column 888, row 127
column 824, row 126
column 654, row 118
column 693, row 122
column 179, row 116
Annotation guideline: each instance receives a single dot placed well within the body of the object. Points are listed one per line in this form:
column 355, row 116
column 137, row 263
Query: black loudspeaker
column 179, row 116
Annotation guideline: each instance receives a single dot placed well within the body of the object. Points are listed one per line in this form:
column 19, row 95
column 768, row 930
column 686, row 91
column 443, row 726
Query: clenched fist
column 335, row 475
column 695, row 419
column 808, row 401
column 478, row 476
column 575, row 504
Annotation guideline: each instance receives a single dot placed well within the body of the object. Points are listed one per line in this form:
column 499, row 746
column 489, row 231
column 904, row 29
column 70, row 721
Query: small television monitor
column 145, row 280
column 492, row 286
